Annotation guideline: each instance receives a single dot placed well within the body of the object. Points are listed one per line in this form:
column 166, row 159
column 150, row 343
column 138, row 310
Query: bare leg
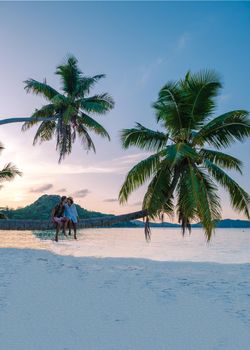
column 74, row 227
column 58, row 226
column 64, row 227
column 69, row 227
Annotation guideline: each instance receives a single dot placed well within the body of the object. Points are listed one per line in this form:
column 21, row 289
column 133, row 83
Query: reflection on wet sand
column 21, row 240
column 226, row 246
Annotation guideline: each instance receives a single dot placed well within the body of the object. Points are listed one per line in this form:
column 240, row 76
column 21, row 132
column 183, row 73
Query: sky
column 139, row 46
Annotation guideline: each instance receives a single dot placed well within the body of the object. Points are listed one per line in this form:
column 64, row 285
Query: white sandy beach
column 49, row 301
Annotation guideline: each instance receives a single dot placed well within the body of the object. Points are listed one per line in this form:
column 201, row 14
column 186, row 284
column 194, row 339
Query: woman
column 58, row 216
column 71, row 214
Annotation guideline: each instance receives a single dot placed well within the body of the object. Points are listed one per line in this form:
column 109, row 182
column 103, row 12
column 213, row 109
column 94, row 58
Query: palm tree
column 9, row 171
column 188, row 164
column 67, row 113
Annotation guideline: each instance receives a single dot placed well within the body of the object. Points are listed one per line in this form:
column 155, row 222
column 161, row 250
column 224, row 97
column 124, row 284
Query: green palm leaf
column 186, row 206
column 86, row 140
column 38, row 88
column 9, row 172
column 99, row 104
column 159, row 196
column 168, row 108
column 69, row 74
column 86, row 83
column 143, row 138
column 224, row 130
column 205, row 198
column 45, row 132
column 221, row 159
column 200, row 92
column 92, row 124
column 45, row 112
column 240, row 199
column 176, row 153
column 138, row 175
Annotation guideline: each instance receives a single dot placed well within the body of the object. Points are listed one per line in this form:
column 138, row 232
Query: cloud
column 110, row 200
column 49, row 168
column 149, row 69
column 131, row 158
column 224, row 98
column 62, row 190
column 183, row 41
column 81, row 193
column 118, row 165
column 42, row 188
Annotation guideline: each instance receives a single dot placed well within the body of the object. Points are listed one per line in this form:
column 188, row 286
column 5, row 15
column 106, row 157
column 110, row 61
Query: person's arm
column 53, row 212
column 76, row 213
column 64, row 210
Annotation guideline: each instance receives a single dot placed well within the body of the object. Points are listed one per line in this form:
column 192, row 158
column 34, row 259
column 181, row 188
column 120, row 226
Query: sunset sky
column 139, row 46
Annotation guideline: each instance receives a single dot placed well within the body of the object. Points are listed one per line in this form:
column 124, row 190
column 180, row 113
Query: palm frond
column 70, row 75
column 45, row 132
column 38, row 88
column 44, row 112
column 200, row 91
column 159, row 195
column 240, row 199
column 143, row 138
column 86, row 83
column 205, row 198
column 186, row 206
column 68, row 114
column 224, row 130
column 168, row 107
column 92, row 124
column 86, row 140
column 138, row 175
column 176, row 153
column 64, row 139
column 222, row 159
column 60, row 102
column 9, row 172
column 100, row 104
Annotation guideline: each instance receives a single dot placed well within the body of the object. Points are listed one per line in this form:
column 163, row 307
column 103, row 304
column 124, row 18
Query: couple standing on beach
column 64, row 215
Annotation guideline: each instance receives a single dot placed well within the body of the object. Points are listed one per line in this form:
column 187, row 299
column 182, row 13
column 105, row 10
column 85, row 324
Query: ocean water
column 226, row 245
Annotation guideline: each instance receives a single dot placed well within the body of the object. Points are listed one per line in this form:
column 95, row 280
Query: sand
column 48, row 301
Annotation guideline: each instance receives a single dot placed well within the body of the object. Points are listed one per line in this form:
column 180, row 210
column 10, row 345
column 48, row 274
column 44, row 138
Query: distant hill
column 230, row 223
column 226, row 223
column 42, row 207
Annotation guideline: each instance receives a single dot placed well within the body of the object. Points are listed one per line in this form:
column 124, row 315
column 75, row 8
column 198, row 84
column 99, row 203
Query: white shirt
column 71, row 212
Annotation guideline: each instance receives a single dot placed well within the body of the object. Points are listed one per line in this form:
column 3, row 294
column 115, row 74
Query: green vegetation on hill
column 41, row 210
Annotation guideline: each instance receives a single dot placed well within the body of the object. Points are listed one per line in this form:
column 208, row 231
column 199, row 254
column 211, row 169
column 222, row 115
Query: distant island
column 42, row 207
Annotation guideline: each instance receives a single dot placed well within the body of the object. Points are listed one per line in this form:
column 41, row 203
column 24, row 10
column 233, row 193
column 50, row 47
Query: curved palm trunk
column 86, row 223
column 24, row 119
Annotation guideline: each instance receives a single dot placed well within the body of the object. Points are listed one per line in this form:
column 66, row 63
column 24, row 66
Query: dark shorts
column 59, row 220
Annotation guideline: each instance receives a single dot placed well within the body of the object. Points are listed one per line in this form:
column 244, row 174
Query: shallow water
column 226, row 246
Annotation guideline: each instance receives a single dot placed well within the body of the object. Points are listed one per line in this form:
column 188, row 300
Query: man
column 58, row 216
column 71, row 214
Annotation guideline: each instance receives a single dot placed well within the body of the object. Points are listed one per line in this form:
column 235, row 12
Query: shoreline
column 63, row 302
column 227, row 246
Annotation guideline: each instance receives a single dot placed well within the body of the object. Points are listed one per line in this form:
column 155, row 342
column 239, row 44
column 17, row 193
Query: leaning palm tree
column 8, row 172
column 67, row 113
column 188, row 164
